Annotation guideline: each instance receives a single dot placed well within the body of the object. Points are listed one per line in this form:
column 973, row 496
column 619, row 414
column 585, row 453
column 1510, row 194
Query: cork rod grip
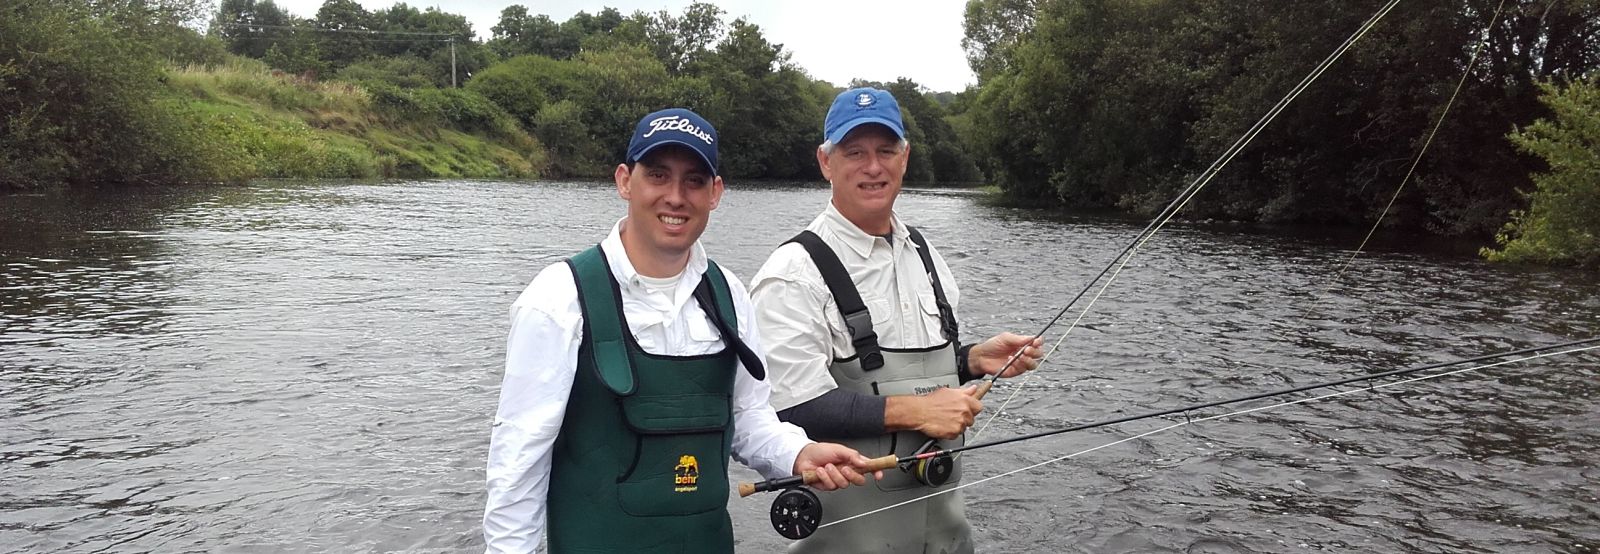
column 810, row 476
column 983, row 388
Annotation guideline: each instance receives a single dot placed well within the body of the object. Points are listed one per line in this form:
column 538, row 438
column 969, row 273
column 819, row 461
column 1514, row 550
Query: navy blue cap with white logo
column 675, row 126
column 859, row 106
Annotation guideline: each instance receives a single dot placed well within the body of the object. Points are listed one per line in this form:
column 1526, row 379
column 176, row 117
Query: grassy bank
column 262, row 123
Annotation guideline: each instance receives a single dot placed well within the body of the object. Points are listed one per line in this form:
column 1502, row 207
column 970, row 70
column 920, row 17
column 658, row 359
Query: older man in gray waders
column 633, row 370
column 858, row 312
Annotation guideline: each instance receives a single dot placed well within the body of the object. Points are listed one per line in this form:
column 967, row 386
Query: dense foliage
column 1117, row 104
column 80, row 102
column 1562, row 223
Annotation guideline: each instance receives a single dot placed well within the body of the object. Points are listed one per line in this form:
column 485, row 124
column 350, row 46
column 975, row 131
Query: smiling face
column 866, row 169
column 670, row 196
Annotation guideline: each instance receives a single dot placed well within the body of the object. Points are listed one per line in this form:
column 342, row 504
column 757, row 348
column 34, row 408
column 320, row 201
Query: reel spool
column 796, row 513
column 932, row 471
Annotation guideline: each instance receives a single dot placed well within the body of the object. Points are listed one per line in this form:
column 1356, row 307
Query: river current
column 314, row 367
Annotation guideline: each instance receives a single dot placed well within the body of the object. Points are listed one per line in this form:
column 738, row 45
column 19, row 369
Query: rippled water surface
column 314, row 367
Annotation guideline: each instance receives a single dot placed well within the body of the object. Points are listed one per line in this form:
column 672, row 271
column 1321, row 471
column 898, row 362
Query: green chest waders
column 641, row 461
column 935, row 525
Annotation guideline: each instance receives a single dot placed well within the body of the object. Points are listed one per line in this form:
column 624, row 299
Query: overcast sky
column 833, row 40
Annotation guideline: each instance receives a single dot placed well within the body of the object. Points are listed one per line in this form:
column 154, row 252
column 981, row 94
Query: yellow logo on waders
column 687, row 474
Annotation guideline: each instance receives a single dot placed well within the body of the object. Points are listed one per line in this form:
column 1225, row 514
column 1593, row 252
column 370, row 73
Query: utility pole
column 452, row 62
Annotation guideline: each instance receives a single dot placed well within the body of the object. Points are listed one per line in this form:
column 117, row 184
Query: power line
column 451, row 37
column 377, row 40
column 322, row 30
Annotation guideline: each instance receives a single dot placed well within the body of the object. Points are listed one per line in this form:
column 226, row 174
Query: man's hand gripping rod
column 809, row 477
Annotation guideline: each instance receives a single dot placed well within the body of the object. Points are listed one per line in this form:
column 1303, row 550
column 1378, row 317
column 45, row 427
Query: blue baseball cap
column 859, row 106
column 675, row 126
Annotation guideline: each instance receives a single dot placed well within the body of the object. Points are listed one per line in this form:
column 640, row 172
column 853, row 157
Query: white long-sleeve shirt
column 542, row 360
column 800, row 319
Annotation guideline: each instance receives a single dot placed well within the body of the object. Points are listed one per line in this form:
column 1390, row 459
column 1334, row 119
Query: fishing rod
column 797, row 512
column 1227, row 415
column 1145, row 235
column 1188, row 193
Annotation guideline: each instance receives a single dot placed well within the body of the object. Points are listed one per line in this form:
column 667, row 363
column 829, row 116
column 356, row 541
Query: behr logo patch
column 686, row 474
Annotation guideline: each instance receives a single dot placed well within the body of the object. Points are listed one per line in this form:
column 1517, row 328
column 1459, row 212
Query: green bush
column 524, row 84
column 1562, row 222
column 403, row 71
column 560, row 125
column 460, row 109
column 74, row 97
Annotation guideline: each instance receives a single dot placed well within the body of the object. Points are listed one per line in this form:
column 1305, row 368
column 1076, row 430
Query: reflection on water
column 305, row 366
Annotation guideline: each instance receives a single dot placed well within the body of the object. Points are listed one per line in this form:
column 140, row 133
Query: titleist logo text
column 677, row 123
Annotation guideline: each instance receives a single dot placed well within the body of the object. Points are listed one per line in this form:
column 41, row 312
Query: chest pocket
column 680, row 458
column 882, row 312
column 702, row 333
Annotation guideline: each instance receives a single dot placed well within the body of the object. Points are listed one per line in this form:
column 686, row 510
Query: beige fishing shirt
column 801, row 325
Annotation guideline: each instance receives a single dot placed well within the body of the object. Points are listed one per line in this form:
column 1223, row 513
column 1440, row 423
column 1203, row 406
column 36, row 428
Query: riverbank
column 277, row 125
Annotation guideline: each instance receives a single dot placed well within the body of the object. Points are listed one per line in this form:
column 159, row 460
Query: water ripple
column 313, row 367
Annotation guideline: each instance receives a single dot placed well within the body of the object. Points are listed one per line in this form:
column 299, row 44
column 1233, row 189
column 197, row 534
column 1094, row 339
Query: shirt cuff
column 961, row 364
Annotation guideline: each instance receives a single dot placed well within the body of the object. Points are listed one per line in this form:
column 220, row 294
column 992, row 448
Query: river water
column 314, row 367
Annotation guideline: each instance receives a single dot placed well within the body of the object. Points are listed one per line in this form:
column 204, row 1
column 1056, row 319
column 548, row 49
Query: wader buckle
column 859, row 324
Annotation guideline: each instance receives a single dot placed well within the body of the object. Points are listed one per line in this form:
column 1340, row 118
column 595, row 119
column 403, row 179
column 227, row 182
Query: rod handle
column 983, row 388
column 810, row 476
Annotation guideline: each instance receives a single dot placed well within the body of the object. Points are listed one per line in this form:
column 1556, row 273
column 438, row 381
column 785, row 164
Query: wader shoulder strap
column 717, row 303
column 601, row 300
column 947, row 315
column 857, row 320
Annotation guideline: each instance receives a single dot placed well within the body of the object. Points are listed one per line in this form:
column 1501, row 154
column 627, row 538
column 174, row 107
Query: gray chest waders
column 938, row 524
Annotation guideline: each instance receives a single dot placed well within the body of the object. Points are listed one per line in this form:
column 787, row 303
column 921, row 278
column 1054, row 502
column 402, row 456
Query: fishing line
column 1228, row 415
column 1425, row 144
column 1122, row 258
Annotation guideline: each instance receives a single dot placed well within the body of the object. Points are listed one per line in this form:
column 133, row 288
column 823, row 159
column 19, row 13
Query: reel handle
column 809, row 477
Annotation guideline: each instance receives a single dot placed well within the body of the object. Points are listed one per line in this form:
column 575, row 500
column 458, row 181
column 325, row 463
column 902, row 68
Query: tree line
column 1111, row 104
column 577, row 85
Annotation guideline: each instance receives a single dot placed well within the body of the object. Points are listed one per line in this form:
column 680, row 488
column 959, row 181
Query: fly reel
column 796, row 513
column 933, row 471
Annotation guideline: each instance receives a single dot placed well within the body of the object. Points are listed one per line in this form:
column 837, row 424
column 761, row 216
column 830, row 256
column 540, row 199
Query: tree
column 1562, row 222
column 249, row 27
column 344, row 39
column 748, row 88
column 991, row 30
column 519, row 33
column 680, row 42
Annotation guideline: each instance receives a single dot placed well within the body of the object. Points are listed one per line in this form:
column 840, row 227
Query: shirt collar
column 856, row 239
column 627, row 276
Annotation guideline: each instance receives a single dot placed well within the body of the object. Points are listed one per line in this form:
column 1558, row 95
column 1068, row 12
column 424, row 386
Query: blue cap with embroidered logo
column 858, row 106
column 675, row 126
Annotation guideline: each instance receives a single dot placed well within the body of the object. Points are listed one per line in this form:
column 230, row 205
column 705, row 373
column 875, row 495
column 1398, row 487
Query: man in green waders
column 633, row 371
column 858, row 312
